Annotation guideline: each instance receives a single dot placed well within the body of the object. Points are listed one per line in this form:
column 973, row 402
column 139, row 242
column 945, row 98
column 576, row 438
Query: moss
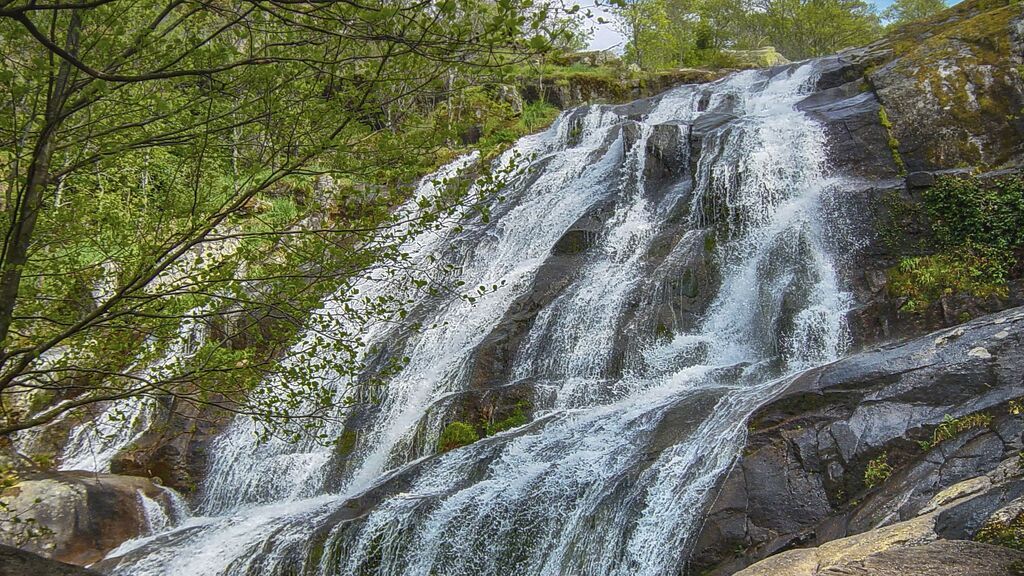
column 894, row 144
column 346, row 443
column 877, row 471
column 456, row 435
column 514, row 420
column 971, row 45
column 710, row 242
column 1009, row 534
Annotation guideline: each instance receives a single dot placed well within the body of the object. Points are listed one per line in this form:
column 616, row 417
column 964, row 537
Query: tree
column 154, row 157
column 808, row 28
column 695, row 32
column 903, row 11
column 649, row 32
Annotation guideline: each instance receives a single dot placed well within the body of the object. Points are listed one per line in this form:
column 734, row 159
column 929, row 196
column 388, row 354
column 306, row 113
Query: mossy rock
column 953, row 92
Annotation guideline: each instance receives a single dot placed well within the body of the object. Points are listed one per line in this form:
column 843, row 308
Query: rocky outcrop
column 77, row 517
column 927, row 413
column 953, row 89
column 174, row 449
column 935, row 99
column 16, row 562
column 913, row 546
column 606, row 86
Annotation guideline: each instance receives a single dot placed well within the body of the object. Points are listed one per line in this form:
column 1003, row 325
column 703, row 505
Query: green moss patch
column 456, row 435
column 1009, row 534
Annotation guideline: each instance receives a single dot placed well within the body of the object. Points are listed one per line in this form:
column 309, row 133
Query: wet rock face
column 16, row 562
column 81, row 515
column 801, row 479
column 175, row 448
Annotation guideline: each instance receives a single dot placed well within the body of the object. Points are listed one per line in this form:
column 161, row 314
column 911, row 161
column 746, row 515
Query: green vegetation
column 456, row 435
column 977, row 228
column 514, row 420
column 1009, row 534
column 894, row 144
column 952, row 427
column 877, row 471
column 670, row 33
column 162, row 164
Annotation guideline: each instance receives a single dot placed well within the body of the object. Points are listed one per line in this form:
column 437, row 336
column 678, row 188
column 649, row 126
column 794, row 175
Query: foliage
column 977, row 228
column 162, row 164
column 922, row 280
column 1003, row 533
column 878, row 470
column 951, row 427
column 456, row 435
column 903, row 11
column 665, row 33
column 514, row 420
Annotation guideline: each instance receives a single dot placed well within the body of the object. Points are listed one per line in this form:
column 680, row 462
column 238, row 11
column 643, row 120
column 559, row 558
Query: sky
column 605, row 36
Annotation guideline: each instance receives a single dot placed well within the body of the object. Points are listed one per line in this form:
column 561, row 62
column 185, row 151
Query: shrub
column 456, row 435
column 976, row 228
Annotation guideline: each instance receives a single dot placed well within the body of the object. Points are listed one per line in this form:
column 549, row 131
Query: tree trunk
column 27, row 212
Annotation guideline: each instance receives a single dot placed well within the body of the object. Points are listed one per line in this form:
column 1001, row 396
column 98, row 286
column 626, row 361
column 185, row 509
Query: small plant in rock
column 456, row 435
column 952, row 427
column 877, row 471
column 514, row 420
column 1005, row 533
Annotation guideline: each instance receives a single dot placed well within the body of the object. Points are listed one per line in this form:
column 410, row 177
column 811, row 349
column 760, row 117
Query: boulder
column 77, row 517
column 953, row 90
column 17, row 562
column 914, row 546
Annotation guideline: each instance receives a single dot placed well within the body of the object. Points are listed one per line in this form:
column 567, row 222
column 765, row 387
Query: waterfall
column 92, row 444
column 632, row 428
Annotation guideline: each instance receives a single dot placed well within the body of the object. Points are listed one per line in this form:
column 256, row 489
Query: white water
column 611, row 476
column 92, row 444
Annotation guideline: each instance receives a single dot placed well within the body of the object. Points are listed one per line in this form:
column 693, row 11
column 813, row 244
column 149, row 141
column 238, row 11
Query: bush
column 456, row 435
column 976, row 227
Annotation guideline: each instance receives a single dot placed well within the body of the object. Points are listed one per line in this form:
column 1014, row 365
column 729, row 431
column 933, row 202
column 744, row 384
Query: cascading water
column 628, row 440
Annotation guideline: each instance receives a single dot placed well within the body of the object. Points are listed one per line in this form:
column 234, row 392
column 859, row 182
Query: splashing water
column 628, row 440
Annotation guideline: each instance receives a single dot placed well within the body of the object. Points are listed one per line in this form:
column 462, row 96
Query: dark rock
column 920, row 180
column 801, row 477
column 175, row 448
column 16, row 562
column 471, row 135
